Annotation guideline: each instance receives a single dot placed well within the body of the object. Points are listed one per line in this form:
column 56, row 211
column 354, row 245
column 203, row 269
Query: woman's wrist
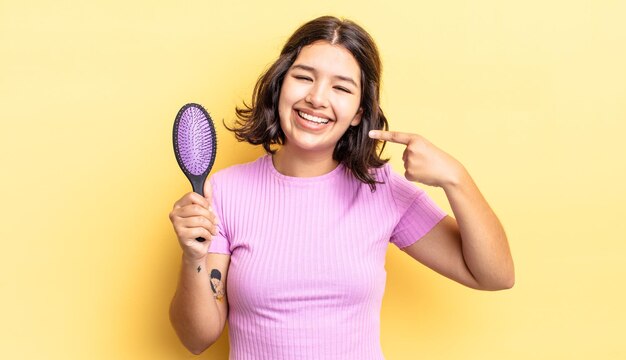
column 457, row 179
column 194, row 262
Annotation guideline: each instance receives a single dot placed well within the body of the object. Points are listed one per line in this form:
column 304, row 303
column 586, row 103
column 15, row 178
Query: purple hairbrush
column 195, row 144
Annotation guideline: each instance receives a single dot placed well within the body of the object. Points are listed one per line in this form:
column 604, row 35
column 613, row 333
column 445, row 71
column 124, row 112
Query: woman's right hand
column 192, row 217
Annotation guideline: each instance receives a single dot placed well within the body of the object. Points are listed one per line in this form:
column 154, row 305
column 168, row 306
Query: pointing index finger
column 392, row 136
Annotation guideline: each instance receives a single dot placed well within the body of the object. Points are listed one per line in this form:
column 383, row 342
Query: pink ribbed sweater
column 307, row 276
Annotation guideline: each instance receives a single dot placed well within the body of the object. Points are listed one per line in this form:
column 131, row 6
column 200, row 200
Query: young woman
column 299, row 236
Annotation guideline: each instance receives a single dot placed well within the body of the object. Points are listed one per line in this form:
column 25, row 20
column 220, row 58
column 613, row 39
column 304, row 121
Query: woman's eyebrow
column 348, row 79
column 312, row 69
column 303, row 67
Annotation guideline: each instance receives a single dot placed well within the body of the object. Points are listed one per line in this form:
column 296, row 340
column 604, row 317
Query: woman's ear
column 357, row 118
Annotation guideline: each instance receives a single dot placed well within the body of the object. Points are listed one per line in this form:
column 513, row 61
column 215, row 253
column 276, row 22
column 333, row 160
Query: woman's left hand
column 423, row 161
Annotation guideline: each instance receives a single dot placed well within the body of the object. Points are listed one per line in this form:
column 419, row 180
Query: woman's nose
column 317, row 96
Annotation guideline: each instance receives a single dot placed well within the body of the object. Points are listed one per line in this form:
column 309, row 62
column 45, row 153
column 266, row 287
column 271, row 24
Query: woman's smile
column 313, row 118
column 310, row 122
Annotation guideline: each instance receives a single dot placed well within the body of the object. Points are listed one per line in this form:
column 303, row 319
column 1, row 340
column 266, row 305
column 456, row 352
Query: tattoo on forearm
column 199, row 268
column 217, row 286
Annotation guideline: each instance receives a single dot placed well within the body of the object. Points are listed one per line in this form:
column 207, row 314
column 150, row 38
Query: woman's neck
column 300, row 164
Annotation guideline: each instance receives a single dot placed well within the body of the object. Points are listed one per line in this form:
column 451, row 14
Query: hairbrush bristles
column 195, row 143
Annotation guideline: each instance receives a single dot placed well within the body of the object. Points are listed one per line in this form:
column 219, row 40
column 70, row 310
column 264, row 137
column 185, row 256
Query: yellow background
column 530, row 96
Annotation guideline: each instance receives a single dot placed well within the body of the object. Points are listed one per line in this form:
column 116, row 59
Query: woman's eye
column 341, row 88
column 302, row 77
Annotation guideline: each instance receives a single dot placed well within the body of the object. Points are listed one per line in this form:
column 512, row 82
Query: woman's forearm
column 193, row 312
column 484, row 242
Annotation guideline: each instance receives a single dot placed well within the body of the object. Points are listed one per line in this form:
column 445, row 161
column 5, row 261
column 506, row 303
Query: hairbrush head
column 195, row 144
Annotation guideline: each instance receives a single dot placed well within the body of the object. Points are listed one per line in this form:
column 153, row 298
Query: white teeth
column 316, row 119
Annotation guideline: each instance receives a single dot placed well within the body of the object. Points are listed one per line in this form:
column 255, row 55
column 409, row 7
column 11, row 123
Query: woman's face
column 320, row 98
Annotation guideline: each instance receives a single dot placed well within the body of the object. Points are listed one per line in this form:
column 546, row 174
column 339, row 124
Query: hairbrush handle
column 197, row 183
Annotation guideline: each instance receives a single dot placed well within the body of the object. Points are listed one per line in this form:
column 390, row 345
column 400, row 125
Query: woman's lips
column 311, row 122
column 313, row 118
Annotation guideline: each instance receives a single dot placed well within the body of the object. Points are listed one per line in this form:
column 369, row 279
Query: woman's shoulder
column 240, row 170
column 394, row 182
column 385, row 175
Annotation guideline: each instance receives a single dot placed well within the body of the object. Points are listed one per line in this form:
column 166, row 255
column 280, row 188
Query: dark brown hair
column 259, row 123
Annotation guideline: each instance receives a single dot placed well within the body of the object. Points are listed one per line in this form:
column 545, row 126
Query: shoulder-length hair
column 259, row 122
